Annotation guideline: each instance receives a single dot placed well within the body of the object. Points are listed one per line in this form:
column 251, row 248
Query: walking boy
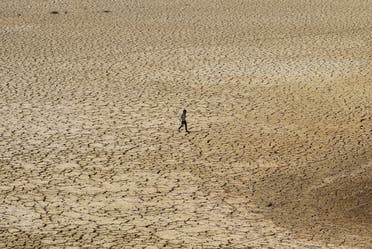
column 183, row 121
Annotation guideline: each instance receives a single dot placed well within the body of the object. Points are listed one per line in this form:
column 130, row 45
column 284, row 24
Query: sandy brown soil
column 279, row 97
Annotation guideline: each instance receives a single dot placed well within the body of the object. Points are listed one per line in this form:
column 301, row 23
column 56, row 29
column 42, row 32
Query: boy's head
column 184, row 111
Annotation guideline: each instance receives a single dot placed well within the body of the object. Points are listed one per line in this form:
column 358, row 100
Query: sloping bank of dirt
column 329, row 199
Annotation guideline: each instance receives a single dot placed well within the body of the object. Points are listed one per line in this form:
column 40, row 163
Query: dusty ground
column 279, row 97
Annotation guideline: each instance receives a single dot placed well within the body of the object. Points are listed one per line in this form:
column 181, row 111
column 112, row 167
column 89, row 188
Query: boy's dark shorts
column 183, row 123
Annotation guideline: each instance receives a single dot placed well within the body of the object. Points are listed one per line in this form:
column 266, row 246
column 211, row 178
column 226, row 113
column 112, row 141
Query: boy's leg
column 186, row 127
column 180, row 126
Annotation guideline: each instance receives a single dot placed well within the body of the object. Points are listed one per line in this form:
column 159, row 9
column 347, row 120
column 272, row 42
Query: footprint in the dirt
column 54, row 12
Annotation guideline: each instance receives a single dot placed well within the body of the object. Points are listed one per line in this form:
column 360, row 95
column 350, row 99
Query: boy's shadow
column 195, row 132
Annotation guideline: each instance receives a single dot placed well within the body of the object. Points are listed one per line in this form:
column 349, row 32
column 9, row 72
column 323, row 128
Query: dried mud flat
column 279, row 100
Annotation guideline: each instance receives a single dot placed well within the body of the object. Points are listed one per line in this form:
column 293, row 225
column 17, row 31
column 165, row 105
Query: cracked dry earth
column 279, row 101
